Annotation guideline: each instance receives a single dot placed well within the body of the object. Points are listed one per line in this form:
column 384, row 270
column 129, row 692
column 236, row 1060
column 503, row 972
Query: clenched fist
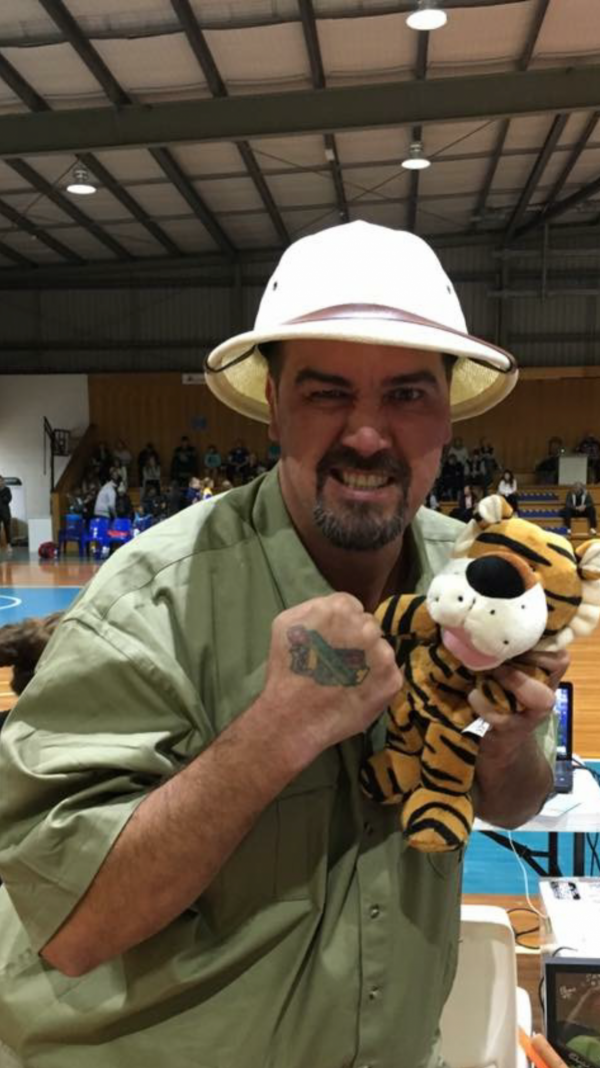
column 330, row 672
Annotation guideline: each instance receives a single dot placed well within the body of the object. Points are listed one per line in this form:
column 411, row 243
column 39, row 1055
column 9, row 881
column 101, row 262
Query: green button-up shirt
column 323, row 942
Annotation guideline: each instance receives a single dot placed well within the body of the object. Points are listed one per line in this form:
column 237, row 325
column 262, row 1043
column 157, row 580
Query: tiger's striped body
column 504, row 572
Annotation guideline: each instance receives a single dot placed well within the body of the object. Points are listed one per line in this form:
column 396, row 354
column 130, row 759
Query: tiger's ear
column 588, row 561
column 492, row 509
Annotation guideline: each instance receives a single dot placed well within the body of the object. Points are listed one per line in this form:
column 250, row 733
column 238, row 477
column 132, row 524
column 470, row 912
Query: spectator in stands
column 5, row 514
column 460, row 451
column 208, row 489
column 174, row 497
column 490, row 464
column 590, row 446
column 237, row 462
column 154, row 503
column 118, row 473
column 102, row 461
column 150, row 474
column 507, row 487
column 255, row 467
column 122, row 456
column 76, row 501
column 452, row 478
column 579, row 504
column 184, row 463
column 124, row 504
column 468, row 499
column 475, row 469
column 106, row 501
column 193, row 493
column 212, row 461
column 144, row 455
column 547, row 470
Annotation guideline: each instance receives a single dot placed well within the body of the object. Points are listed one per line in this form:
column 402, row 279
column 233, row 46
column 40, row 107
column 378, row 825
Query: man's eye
column 406, row 395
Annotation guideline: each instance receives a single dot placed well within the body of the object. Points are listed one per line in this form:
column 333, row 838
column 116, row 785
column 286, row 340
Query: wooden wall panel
column 159, row 408
column 537, row 409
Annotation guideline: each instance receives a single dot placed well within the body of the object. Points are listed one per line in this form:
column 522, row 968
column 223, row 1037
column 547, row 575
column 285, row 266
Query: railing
column 72, row 475
column 60, row 445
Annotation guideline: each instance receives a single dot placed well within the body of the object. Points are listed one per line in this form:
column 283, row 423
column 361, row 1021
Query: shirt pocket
column 284, row 856
column 304, row 812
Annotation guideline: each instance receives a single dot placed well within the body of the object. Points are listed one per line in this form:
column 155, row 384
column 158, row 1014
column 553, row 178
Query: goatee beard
column 359, row 528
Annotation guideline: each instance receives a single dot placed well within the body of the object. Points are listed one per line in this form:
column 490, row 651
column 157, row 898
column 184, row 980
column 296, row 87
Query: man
column 106, row 501
column 182, row 835
column 184, row 464
column 579, row 504
column 5, row 514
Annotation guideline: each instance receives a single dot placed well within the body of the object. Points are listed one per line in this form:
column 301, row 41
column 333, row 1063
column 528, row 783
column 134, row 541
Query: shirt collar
column 295, row 574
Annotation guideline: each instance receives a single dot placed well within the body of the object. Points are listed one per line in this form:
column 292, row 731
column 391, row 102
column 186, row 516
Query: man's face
column 361, row 429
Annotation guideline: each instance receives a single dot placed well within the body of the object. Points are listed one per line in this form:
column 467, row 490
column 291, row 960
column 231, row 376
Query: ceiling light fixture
column 416, row 160
column 81, row 184
column 428, row 16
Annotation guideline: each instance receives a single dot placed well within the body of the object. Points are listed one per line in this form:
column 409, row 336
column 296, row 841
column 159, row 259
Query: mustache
column 382, row 462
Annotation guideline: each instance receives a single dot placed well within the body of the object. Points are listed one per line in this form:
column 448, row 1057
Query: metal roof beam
column 108, row 180
column 417, row 133
column 35, row 102
column 354, row 107
column 313, row 48
column 86, row 51
column 25, row 171
column 522, row 65
column 562, row 206
column 176, row 176
column 21, row 222
column 554, row 135
column 16, row 257
column 117, row 95
column 564, row 174
column 206, row 62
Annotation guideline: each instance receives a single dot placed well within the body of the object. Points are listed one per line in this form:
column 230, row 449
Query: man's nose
column 367, row 433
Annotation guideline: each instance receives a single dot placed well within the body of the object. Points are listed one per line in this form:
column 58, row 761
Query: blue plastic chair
column 97, row 535
column 73, row 530
column 119, row 531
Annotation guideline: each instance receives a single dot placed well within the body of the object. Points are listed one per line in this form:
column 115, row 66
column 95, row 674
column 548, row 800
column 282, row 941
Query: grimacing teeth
column 363, row 480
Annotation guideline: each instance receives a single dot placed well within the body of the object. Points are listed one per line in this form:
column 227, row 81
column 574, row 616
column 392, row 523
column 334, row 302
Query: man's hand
column 538, row 698
column 330, row 672
column 513, row 776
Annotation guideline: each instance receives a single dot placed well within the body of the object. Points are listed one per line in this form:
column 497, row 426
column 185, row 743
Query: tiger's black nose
column 494, row 576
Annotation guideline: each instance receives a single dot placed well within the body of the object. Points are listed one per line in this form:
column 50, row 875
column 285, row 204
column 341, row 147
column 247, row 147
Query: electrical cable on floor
column 530, row 931
column 543, row 915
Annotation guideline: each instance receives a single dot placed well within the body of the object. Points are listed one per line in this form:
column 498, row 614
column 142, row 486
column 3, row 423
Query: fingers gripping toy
column 510, row 587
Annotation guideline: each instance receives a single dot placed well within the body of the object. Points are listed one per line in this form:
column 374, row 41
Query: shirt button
column 374, row 911
column 373, row 993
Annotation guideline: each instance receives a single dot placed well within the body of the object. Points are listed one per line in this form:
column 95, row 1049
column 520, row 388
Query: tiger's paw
column 437, row 823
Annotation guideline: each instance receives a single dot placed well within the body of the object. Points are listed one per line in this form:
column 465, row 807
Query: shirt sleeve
column 106, row 719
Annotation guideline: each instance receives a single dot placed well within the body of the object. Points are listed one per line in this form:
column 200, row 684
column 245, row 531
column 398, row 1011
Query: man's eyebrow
column 311, row 374
column 411, row 378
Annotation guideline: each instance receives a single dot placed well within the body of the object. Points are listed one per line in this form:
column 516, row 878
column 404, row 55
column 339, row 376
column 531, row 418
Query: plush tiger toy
column 510, row 587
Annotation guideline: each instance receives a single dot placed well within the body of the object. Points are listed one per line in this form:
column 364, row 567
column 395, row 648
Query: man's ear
column 271, row 395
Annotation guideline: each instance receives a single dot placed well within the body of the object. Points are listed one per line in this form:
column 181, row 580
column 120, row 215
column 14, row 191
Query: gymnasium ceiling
column 217, row 131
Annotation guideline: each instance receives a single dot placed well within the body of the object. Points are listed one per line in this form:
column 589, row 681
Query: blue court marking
column 20, row 602
column 491, row 869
